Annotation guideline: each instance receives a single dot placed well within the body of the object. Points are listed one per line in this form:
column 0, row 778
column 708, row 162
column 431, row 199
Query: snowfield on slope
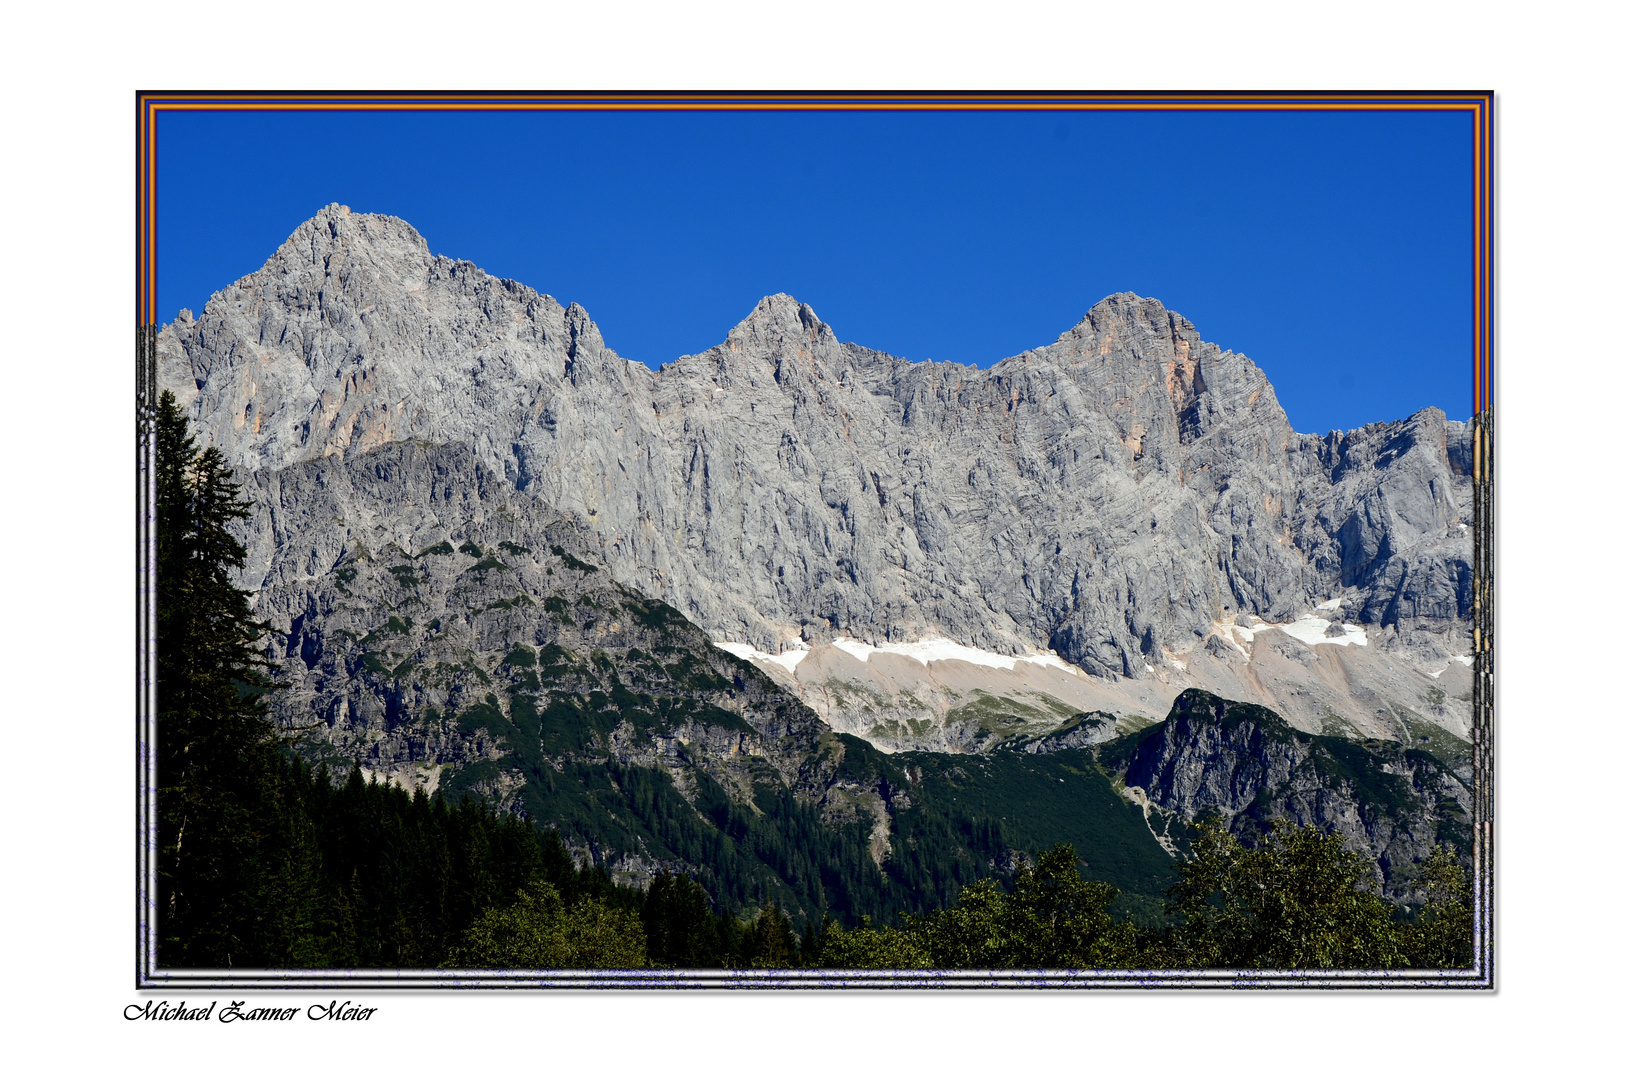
column 1309, row 629
column 924, row 652
column 788, row 659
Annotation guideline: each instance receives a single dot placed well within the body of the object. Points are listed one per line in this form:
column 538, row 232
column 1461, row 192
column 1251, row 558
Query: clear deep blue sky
column 1332, row 249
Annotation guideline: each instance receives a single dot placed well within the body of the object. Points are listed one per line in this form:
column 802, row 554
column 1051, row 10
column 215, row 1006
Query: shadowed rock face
column 1111, row 495
column 1245, row 764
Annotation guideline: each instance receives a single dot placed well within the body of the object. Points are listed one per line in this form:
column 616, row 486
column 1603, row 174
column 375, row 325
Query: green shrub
column 541, row 932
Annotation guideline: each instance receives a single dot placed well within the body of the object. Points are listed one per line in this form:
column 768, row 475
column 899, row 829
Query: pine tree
column 680, row 930
column 215, row 739
column 770, row 942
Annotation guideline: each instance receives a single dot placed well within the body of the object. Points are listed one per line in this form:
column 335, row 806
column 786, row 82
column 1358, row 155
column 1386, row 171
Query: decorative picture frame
column 152, row 107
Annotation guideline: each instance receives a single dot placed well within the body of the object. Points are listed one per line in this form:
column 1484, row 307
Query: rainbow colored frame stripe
column 1480, row 175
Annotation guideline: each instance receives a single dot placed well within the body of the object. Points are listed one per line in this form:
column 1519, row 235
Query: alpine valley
column 820, row 625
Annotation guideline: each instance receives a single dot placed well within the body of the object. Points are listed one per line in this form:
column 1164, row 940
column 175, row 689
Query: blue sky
column 1332, row 249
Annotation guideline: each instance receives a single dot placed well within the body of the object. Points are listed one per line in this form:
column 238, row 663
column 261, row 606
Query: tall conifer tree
column 214, row 735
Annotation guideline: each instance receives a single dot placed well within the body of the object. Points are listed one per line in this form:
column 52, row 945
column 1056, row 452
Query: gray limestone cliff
column 1111, row 495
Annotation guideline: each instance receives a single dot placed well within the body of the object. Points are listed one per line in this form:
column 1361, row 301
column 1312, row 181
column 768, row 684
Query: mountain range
column 793, row 587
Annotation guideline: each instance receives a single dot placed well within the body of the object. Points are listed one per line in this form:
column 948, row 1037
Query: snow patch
column 1462, row 660
column 1329, row 605
column 1310, row 629
column 1053, row 660
column 1435, row 674
column 789, row 659
column 744, row 652
column 927, row 652
column 1226, row 632
column 857, row 649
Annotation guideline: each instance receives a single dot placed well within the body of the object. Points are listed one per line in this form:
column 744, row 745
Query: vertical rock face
column 1115, row 495
column 1395, row 519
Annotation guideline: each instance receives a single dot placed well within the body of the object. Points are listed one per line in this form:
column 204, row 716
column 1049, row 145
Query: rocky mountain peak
column 1244, row 763
column 780, row 340
column 336, row 240
column 336, row 227
column 780, row 320
column 1125, row 317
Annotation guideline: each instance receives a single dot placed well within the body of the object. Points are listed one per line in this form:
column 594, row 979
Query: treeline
column 1298, row 901
column 362, row 875
column 776, row 850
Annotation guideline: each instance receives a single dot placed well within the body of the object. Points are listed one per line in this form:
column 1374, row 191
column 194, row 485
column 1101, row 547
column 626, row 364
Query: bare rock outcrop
column 1244, row 764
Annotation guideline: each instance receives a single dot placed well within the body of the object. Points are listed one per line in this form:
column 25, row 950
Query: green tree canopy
column 681, row 930
column 540, row 932
column 1442, row 936
column 1052, row 918
column 1298, row 900
column 869, row 947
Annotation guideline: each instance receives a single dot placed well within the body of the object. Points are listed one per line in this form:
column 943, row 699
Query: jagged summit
column 336, row 240
column 781, row 307
column 337, row 226
column 339, row 244
column 780, row 319
column 1127, row 312
column 783, row 335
